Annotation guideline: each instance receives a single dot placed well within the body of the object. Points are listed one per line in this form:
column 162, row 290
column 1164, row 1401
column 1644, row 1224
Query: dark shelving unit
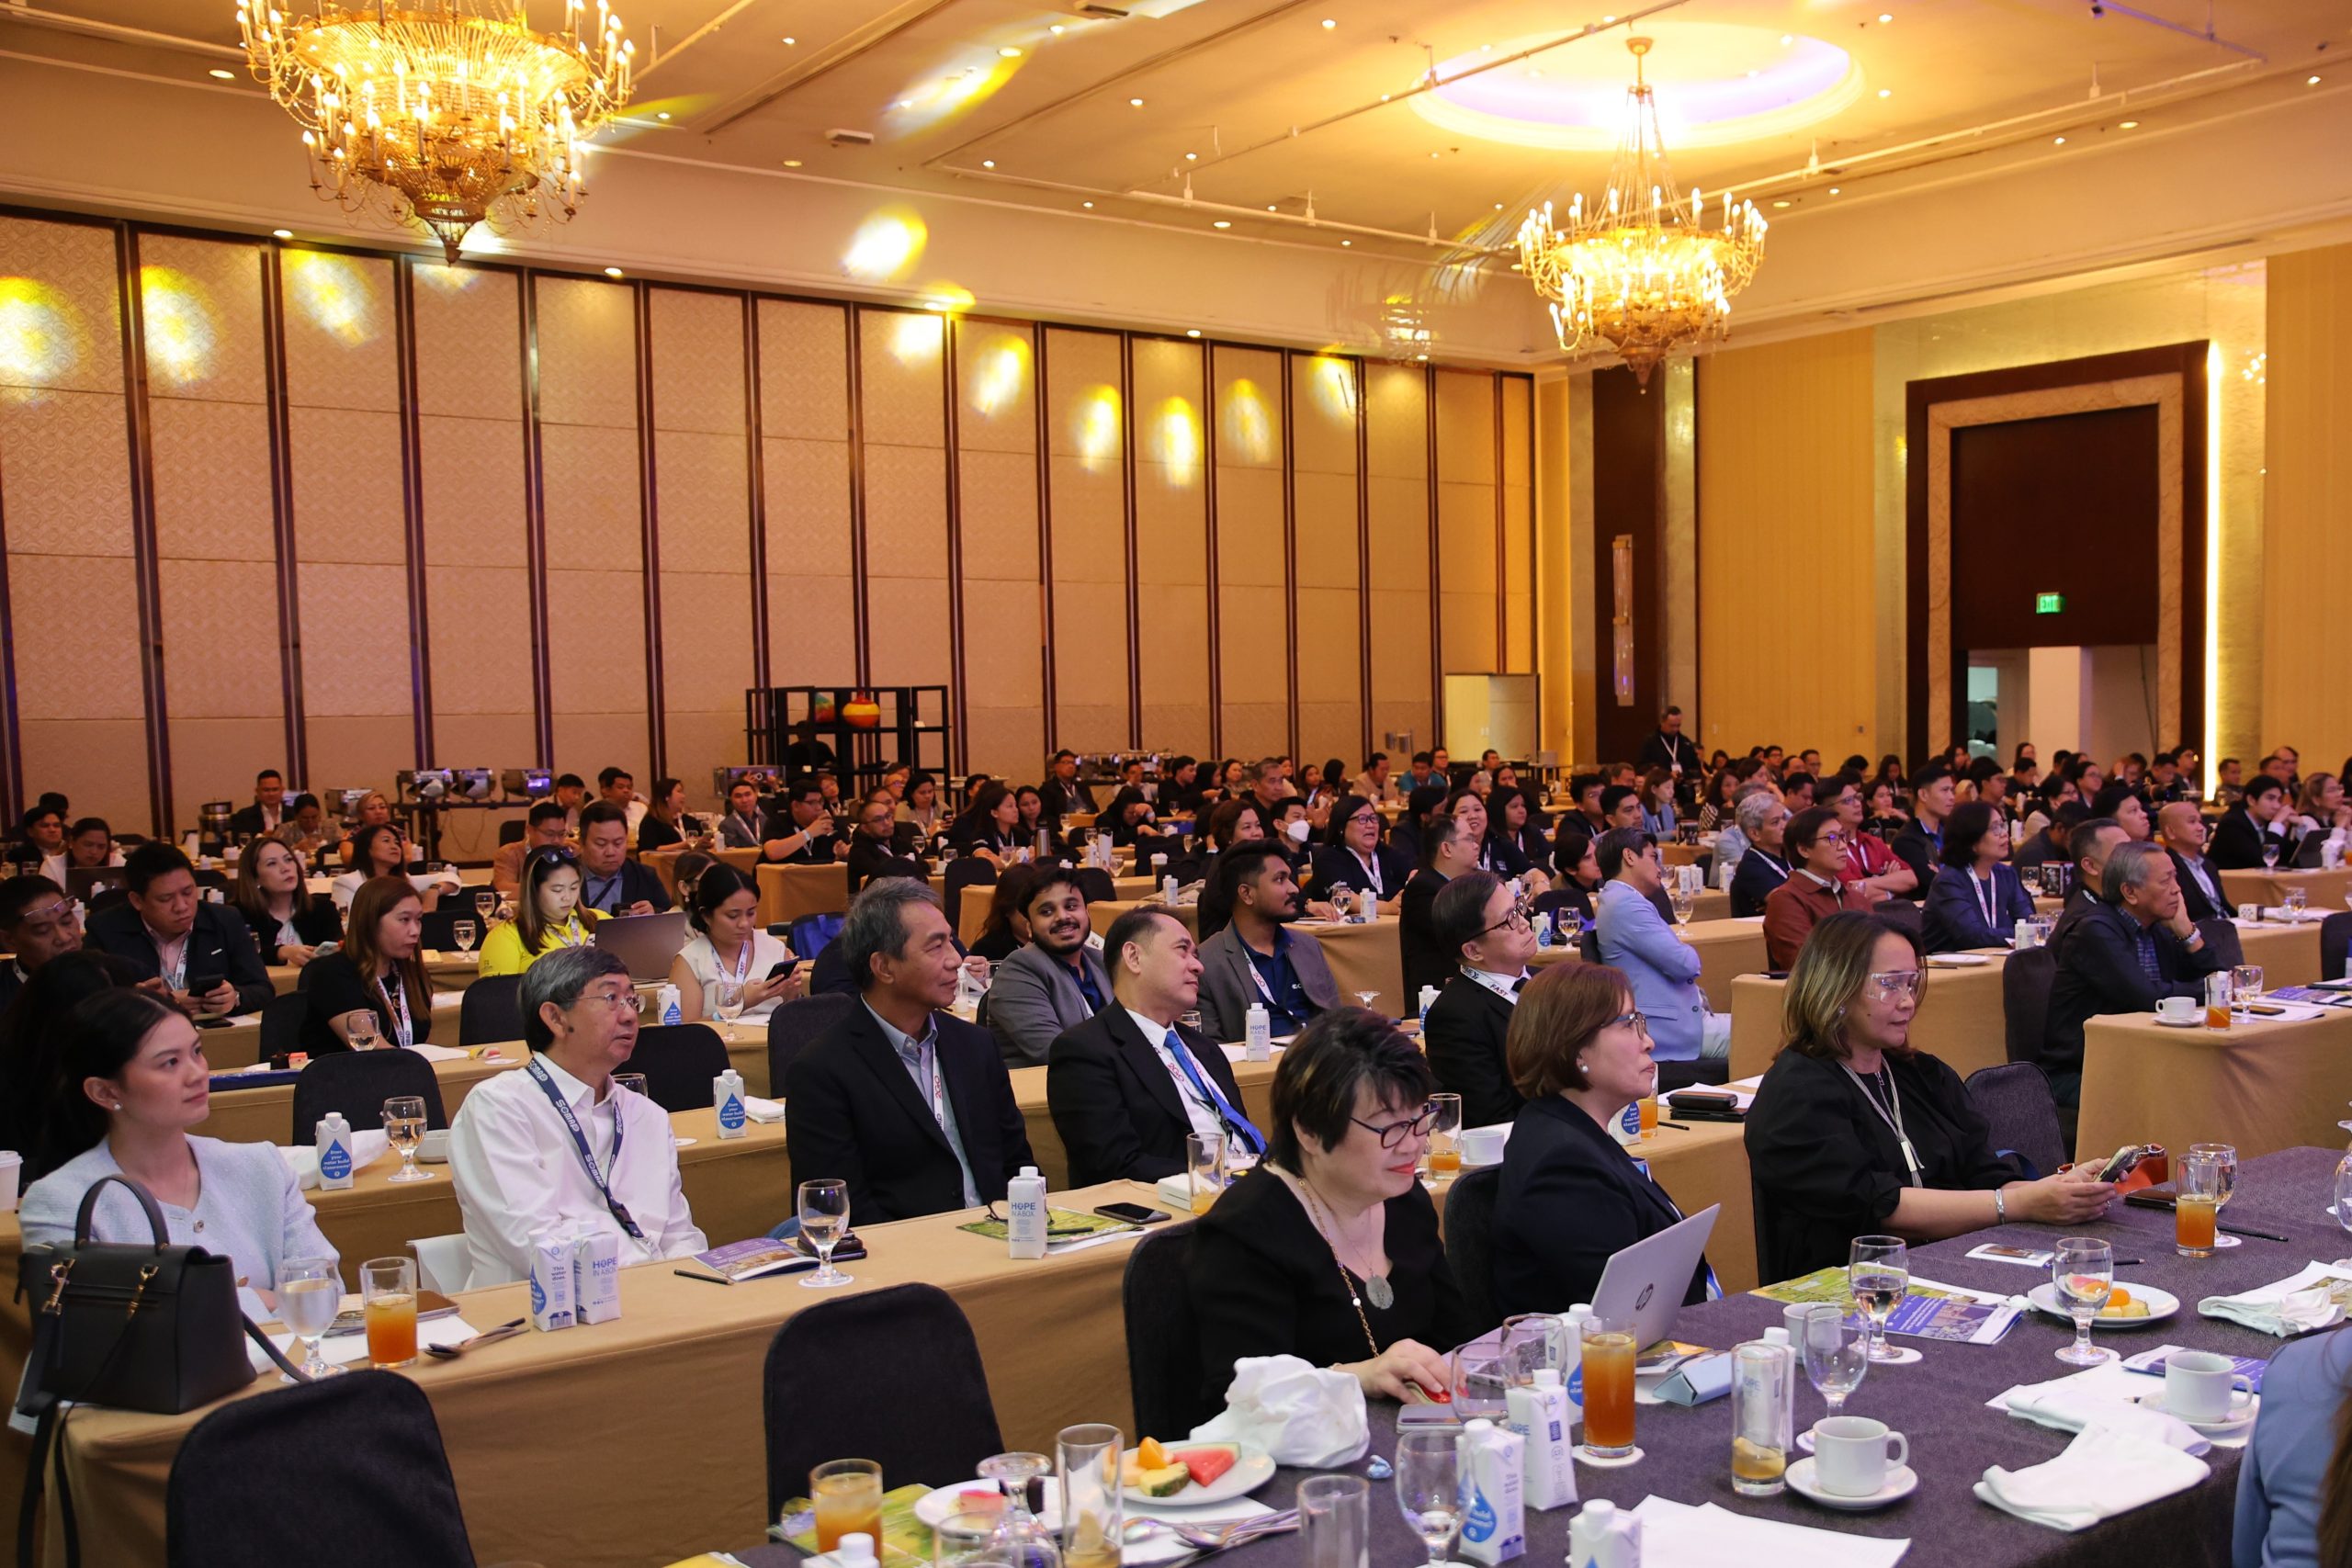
column 911, row 728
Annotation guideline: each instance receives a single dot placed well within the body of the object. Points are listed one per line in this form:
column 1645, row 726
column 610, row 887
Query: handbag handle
column 90, row 1208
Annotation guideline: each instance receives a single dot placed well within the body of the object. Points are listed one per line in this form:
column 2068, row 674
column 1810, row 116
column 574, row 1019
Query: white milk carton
column 551, row 1295
column 1494, row 1518
column 1602, row 1537
column 334, row 1152
column 727, row 1098
column 595, row 1278
column 1257, row 1037
column 666, row 1005
column 1539, row 1417
column 1024, row 1209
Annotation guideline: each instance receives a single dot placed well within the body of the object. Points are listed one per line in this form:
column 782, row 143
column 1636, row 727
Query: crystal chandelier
column 1641, row 272
column 450, row 112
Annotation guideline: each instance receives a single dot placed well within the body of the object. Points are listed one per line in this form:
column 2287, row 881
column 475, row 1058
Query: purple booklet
column 740, row 1260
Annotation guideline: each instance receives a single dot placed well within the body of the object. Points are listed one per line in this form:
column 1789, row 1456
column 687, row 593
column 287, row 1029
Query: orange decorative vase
column 861, row 712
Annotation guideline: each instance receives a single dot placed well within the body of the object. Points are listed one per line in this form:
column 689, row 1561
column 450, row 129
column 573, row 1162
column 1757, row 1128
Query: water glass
column 1763, row 1387
column 1835, row 1347
column 309, row 1293
column 1087, row 1461
column 1878, row 1273
column 824, row 1220
column 1334, row 1521
column 2297, row 899
column 1531, row 1342
column 2226, row 1162
column 2197, row 1203
column 2082, row 1273
column 1481, row 1385
column 2246, row 983
column 463, row 932
column 968, row 1540
column 1204, row 1169
column 388, row 1297
column 726, row 999
column 1429, row 1489
column 404, row 1127
column 359, row 1029
column 2344, row 1204
column 485, row 904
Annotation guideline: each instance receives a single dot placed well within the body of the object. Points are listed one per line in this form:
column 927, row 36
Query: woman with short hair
column 1976, row 900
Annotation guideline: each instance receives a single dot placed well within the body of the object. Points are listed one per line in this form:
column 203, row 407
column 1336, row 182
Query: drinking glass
column 359, row 1027
column 2269, row 854
column 1531, row 1342
column 1878, row 1272
column 726, row 999
column 633, row 1083
column 1835, row 1347
column 485, row 904
column 1681, row 901
column 404, row 1126
column 1481, row 1385
column 1608, row 1367
column 310, row 1292
column 824, row 1220
column 967, row 1540
column 1205, row 1168
column 1087, row 1461
column 1762, row 1393
column 1190, row 1020
column 2197, row 1203
column 1334, row 1521
column 388, row 1291
column 2225, row 1159
column 2297, row 899
column 848, row 1497
column 1429, row 1489
column 1445, row 1135
column 2245, row 984
column 462, row 932
column 1021, row 1540
column 2082, row 1271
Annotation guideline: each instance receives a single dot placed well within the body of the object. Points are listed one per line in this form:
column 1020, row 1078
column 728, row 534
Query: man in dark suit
column 1128, row 1085
column 1446, row 853
column 38, row 922
column 2092, row 842
column 1061, row 792
column 1765, row 822
column 1670, row 748
column 2255, row 822
column 2180, row 826
column 1257, row 957
column 739, row 829
column 1920, row 844
column 1463, row 1035
column 909, row 1105
column 609, row 880
column 203, row 953
column 267, row 812
column 2135, row 947
column 1054, row 982
column 804, row 834
column 874, row 844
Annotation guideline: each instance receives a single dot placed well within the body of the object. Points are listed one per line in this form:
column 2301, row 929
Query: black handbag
column 137, row 1326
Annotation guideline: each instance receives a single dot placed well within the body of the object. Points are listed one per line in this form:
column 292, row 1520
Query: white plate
column 2162, row 1304
column 933, row 1508
column 1957, row 960
column 1901, row 1482
column 2196, row 1022
column 2228, row 1426
column 1251, row 1470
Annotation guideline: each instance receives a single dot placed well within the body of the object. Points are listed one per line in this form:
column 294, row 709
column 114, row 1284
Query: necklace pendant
column 1382, row 1294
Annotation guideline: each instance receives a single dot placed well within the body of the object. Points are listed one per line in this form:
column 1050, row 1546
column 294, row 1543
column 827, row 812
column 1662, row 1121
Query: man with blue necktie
column 1126, row 1086
column 1056, row 981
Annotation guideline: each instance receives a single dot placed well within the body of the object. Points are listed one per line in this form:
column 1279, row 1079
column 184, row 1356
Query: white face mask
column 1297, row 830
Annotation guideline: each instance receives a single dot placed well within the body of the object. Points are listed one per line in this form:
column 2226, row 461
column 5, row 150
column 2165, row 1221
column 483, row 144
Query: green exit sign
column 2049, row 603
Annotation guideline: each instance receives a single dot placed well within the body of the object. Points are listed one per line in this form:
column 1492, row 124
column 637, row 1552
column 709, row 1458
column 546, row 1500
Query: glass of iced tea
column 387, row 1294
column 848, row 1497
column 1445, row 1134
column 2217, row 1000
column 2198, row 1180
column 1205, row 1165
column 1649, row 1104
column 1609, row 1350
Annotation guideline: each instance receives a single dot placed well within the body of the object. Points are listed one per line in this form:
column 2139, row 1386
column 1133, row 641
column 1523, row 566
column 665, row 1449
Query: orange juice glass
column 848, row 1497
column 388, row 1290
column 1649, row 1115
column 1609, row 1351
column 2192, row 1222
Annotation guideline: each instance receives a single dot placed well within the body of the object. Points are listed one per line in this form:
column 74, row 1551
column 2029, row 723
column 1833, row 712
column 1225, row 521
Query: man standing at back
column 1670, row 748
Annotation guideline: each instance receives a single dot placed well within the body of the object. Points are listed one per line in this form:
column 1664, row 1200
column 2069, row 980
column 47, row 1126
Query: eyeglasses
column 1639, row 1020
column 1522, row 917
column 627, row 1004
column 1396, row 1133
column 1829, row 835
column 1892, row 983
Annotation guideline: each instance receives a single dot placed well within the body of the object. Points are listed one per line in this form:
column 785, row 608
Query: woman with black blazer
column 290, row 922
column 1572, row 1196
column 1352, row 855
column 1976, row 900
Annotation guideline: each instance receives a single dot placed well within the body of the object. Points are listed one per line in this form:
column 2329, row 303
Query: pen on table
column 705, row 1278
column 2130, row 1262
column 2259, row 1235
column 1678, row 1126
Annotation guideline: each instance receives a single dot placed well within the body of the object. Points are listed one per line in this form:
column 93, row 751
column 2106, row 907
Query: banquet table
column 2326, row 890
column 448, row 971
column 2260, row 1085
column 1939, row 1405
column 789, row 892
column 1727, row 949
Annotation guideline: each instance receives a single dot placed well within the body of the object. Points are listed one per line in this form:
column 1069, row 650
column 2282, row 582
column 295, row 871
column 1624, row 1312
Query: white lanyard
column 938, row 1086
column 1779, row 869
column 570, row 934
column 1894, row 1121
column 742, row 969
column 396, row 998
column 1984, row 900
column 1371, row 870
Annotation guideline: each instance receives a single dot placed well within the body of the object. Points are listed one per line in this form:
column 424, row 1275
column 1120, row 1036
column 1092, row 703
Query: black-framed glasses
column 1522, row 918
column 1396, row 1133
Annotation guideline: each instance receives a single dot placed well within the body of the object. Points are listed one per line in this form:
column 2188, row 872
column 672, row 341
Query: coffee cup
column 434, row 1147
column 2176, row 1010
column 1483, row 1145
column 12, row 1166
column 1850, row 1457
column 2202, row 1386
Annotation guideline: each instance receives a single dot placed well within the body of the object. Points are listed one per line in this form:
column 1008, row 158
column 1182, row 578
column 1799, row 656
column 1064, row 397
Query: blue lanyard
column 580, row 1146
column 1234, row 1120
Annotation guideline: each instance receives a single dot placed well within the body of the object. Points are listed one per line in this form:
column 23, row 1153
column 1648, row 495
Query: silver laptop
column 1645, row 1283
column 645, row 942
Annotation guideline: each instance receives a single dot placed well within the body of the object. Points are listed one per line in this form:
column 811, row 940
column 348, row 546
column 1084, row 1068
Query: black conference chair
column 2026, row 981
column 2221, row 940
column 282, row 1019
column 793, row 1025
column 678, row 1060
column 1163, row 1340
column 912, row 869
column 828, row 975
column 864, row 1361
column 357, row 1083
column 2335, row 938
column 968, row 871
column 511, row 832
column 2016, row 1105
column 1470, row 1243
column 491, row 1011
column 440, row 925
column 1095, row 883
column 375, row 1481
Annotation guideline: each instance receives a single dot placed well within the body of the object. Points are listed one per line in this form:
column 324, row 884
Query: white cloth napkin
column 1677, row 1532
column 2103, row 1472
column 763, row 1110
column 2286, row 1308
column 303, row 1159
column 1310, row 1417
column 2102, row 1396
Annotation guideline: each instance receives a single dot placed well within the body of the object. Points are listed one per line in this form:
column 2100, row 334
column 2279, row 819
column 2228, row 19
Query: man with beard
column 1054, row 984
column 1254, row 959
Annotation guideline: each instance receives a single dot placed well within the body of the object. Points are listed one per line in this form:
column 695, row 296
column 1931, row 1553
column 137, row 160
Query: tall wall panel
column 1329, row 602
column 472, row 459
column 805, row 471
column 702, row 507
column 1521, row 593
column 343, row 396
column 1086, row 435
column 1396, row 435
column 2307, row 550
column 66, row 500
column 1254, row 615
column 1468, row 604
column 595, row 540
column 996, row 445
column 216, row 545
column 902, row 376
column 1171, row 544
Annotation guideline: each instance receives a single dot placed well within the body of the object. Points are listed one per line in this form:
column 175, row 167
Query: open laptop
column 1643, row 1283
column 645, row 942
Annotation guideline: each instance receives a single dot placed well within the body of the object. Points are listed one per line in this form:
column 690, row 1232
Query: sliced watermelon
column 1206, row 1465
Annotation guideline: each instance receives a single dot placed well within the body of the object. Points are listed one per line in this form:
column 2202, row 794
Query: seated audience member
column 1353, row 857
column 1664, row 969
column 202, row 952
column 2090, row 843
column 1853, row 1133
column 2259, row 822
column 920, row 804
column 2122, row 802
column 1373, row 785
column 131, row 1080
column 377, row 975
column 1816, row 848
column 987, row 829
column 32, row 1027
column 1572, row 1196
column 1006, row 930
column 2135, row 947
column 1977, row 900
column 1291, row 832
column 40, row 849
column 1796, row 790
column 2180, row 827
column 909, row 1105
column 1478, row 920
column 1657, row 803
column 1406, row 834
column 570, row 792
column 547, row 1152
column 1056, row 983
column 306, row 830
column 1522, row 824
column 1129, row 821
column 665, row 824
column 1062, row 792
column 1577, row 869
column 547, row 915
column 740, row 828
column 611, row 883
column 1031, row 822
column 1920, row 844
column 1715, row 806
column 89, row 844
column 1421, row 772
column 617, row 788
column 1179, row 789
column 1886, row 817
column 804, row 835
column 544, row 828
column 729, row 944
column 873, row 843
column 1129, row 1084
column 1256, row 958
column 1764, row 822
column 267, row 813
column 39, row 923
column 1868, row 863
column 1328, row 1249
column 383, row 850
column 1620, row 806
column 1447, row 851
column 370, row 810
column 289, row 922
column 2048, row 847
column 2294, row 1492
column 2321, row 818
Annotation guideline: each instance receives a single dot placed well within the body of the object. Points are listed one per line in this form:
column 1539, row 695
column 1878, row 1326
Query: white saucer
column 1904, row 1357
column 1586, row 1456
column 2228, row 1426
column 2180, row 1022
column 1901, row 1482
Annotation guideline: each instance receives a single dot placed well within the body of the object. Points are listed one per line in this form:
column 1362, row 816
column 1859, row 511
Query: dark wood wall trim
column 1216, row 607
column 12, row 757
column 275, row 396
column 649, row 501
column 1502, row 551
column 419, row 645
column 1628, row 499
column 535, row 537
column 857, row 558
column 755, row 498
column 1437, row 573
column 134, row 317
column 1045, row 534
column 952, row 400
column 1363, row 550
column 1135, row 572
column 1290, row 549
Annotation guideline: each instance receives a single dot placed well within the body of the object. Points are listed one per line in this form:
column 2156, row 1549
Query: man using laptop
column 610, row 881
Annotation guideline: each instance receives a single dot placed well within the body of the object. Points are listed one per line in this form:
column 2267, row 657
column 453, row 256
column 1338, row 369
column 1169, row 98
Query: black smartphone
column 783, row 967
column 205, row 985
column 1132, row 1213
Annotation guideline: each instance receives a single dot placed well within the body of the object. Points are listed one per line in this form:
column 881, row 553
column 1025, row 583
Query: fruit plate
column 1251, row 1469
column 2162, row 1304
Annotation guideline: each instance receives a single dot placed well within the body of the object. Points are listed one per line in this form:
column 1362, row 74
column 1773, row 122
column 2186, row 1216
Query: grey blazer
column 1228, row 989
column 1032, row 999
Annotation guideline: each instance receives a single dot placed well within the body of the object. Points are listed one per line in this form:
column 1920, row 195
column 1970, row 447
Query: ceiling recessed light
column 1886, row 92
column 1057, row 29
column 1088, row 205
column 1346, row 243
column 1833, row 191
column 1781, row 203
column 1486, row 48
column 791, row 43
column 611, row 272
column 283, row 234
column 1787, row 39
column 792, row 162
column 1272, row 208
column 1885, row 17
column 1436, row 154
column 909, row 103
column 2130, row 125
column 220, row 75
column 1329, row 22
column 988, row 163
column 2308, row 81
column 1134, row 103
column 1191, row 332
column 1753, row 74
column 2057, row 141
column 1222, row 223
column 661, row 114
column 1009, row 51
column 1192, row 157
column 1384, row 98
column 1605, row 21
column 1421, row 358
